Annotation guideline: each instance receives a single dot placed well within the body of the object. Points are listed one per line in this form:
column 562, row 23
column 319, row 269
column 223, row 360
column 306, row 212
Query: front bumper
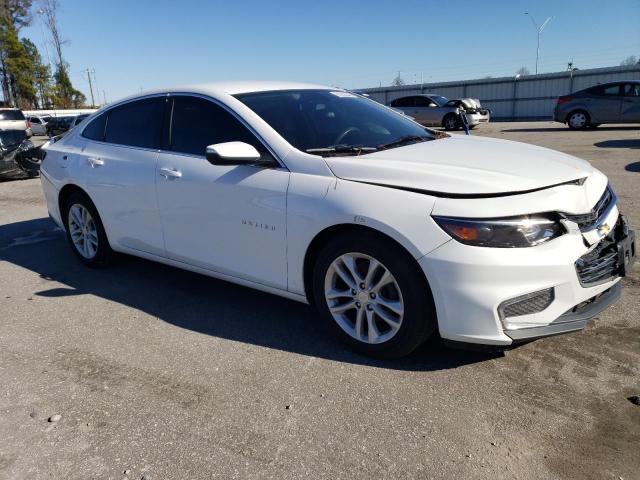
column 573, row 320
column 477, row 118
column 469, row 284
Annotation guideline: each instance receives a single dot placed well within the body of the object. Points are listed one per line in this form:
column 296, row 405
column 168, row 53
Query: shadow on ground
column 630, row 143
column 633, row 167
column 566, row 129
column 199, row 303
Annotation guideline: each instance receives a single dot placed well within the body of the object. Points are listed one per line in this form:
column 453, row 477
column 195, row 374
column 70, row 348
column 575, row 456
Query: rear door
column 116, row 160
column 604, row 103
column 630, row 110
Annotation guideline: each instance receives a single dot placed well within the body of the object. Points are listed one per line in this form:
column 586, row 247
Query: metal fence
column 531, row 97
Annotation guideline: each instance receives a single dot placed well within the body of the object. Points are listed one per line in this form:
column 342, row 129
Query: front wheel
column 373, row 295
column 451, row 122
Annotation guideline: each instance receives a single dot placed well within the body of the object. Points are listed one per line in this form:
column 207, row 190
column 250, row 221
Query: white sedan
column 393, row 232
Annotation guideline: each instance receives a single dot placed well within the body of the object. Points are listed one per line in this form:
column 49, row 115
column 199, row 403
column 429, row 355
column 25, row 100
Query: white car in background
column 38, row 124
column 13, row 119
column 320, row 195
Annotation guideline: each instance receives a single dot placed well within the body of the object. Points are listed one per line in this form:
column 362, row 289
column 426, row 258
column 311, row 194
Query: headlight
column 513, row 232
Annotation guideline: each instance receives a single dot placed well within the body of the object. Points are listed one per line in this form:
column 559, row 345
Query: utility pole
column 539, row 30
column 89, row 73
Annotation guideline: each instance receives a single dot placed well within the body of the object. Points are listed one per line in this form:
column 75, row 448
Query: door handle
column 170, row 173
column 95, row 162
column 627, row 101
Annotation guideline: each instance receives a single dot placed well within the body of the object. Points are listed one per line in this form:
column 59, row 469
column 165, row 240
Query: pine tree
column 41, row 73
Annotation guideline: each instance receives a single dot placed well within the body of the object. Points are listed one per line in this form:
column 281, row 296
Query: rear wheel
column 85, row 231
column 373, row 296
column 578, row 120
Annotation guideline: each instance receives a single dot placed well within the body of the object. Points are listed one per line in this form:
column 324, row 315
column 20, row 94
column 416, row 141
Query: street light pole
column 539, row 31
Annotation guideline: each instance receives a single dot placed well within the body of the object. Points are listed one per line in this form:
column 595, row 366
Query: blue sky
column 147, row 44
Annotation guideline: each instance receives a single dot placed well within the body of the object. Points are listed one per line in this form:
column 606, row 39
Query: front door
column 604, row 106
column 227, row 218
column 630, row 112
column 427, row 112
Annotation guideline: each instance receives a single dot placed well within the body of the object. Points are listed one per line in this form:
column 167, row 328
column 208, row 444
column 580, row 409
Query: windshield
column 11, row 115
column 439, row 99
column 333, row 122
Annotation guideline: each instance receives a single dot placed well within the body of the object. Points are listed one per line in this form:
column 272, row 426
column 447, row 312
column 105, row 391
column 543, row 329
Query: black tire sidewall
column 456, row 121
column 104, row 254
column 419, row 321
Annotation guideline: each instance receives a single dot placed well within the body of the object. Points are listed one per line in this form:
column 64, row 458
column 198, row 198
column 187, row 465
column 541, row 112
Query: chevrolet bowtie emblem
column 604, row 229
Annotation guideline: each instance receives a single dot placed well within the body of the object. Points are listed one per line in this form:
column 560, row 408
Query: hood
column 464, row 166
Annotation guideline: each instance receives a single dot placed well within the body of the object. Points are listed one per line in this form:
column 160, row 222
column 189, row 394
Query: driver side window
column 197, row 122
column 423, row 102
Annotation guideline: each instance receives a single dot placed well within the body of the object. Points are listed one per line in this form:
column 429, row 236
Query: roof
column 238, row 87
column 218, row 89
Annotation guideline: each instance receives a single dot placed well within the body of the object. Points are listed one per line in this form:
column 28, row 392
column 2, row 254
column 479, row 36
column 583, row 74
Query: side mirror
column 232, row 153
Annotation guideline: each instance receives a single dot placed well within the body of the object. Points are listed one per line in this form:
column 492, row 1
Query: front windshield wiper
column 405, row 140
column 339, row 149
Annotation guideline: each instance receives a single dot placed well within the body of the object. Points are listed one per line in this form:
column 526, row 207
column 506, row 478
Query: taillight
column 563, row 99
column 28, row 124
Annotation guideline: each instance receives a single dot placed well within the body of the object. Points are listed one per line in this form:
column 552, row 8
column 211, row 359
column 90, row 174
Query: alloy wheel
column 83, row 231
column 364, row 298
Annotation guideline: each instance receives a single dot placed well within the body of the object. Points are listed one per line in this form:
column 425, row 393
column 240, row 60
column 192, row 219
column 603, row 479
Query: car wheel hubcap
column 84, row 233
column 578, row 120
column 364, row 298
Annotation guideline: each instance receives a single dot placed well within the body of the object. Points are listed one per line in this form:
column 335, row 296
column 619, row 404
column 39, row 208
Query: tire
column 578, row 120
column 98, row 252
column 406, row 291
column 451, row 121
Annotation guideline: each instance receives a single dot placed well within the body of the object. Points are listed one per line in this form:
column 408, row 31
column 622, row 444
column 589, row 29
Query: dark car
column 18, row 156
column 58, row 125
column 617, row 102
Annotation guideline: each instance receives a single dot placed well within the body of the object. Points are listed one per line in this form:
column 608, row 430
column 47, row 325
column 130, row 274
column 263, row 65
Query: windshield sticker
column 344, row 94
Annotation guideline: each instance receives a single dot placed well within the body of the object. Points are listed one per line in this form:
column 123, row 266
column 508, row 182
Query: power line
column 89, row 73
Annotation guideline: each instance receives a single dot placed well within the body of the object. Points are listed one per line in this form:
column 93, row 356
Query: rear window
column 137, row 124
column 9, row 138
column 604, row 90
column 95, row 129
column 11, row 115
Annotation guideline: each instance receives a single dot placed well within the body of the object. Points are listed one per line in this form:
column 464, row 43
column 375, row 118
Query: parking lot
column 161, row 373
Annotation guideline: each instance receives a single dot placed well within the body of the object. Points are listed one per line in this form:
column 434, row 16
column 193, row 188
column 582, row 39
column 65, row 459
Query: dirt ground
column 165, row 374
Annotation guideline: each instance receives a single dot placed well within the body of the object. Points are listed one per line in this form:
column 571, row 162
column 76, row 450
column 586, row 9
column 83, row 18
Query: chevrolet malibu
column 393, row 232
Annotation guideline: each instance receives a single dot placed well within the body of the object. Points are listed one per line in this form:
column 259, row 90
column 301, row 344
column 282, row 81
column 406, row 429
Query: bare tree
column 523, row 71
column 630, row 60
column 50, row 9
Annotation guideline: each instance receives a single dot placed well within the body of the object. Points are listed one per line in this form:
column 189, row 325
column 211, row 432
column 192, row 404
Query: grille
column 601, row 263
column 589, row 220
column 527, row 304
